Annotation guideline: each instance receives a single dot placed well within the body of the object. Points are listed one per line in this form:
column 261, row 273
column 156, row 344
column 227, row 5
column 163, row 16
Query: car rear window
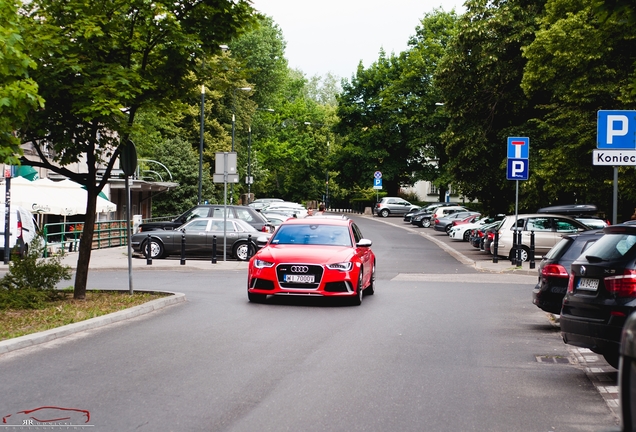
column 559, row 248
column 612, row 246
column 331, row 235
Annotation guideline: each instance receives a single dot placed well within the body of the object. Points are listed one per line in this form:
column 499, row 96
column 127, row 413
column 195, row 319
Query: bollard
column 182, row 249
column 495, row 248
column 148, row 253
column 519, row 242
column 249, row 247
column 213, row 249
column 531, row 257
column 513, row 251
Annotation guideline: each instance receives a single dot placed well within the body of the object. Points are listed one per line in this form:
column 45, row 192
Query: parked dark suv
column 601, row 293
column 248, row 214
column 554, row 269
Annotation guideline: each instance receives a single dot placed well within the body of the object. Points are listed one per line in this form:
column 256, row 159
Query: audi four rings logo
column 299, row 269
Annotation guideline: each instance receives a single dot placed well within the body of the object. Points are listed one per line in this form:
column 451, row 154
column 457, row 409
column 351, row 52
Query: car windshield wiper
column 594, row 259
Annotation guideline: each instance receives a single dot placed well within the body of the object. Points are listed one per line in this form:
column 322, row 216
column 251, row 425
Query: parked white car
column 285, row 207
column 23, row 229
column 462, row 232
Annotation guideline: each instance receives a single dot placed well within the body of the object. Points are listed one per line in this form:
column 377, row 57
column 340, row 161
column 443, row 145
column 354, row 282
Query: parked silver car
column 548, row 230
column 393, row 206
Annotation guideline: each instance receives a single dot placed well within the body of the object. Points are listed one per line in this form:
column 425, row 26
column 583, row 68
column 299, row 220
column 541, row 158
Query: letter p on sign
column 616, row 130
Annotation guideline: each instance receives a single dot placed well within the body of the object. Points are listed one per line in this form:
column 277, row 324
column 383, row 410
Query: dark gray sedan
column 199, row 236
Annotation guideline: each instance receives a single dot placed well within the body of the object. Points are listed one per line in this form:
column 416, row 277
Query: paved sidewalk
column 117, row 259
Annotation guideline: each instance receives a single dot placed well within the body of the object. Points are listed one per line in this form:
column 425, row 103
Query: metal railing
column 65, row 236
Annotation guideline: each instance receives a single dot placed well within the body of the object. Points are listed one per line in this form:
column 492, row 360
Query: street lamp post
column 201, row 143
column 233, row 130
column 223, row 48
column 326, row 196
column 249, row 165
column 327, row 179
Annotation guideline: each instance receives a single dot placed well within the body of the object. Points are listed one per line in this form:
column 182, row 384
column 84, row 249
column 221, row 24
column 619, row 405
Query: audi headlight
column 343, row 266
column 263, row 264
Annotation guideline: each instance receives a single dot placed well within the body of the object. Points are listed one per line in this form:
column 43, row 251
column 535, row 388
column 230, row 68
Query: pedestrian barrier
column 65, row 236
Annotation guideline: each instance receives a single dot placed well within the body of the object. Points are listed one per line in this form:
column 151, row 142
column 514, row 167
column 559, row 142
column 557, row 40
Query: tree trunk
column 85, row 246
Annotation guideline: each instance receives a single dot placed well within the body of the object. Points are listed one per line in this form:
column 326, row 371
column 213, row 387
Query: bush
column 32, row 281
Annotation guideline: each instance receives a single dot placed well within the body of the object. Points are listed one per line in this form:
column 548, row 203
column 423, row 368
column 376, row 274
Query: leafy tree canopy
column 18, row 92
column 99, row 63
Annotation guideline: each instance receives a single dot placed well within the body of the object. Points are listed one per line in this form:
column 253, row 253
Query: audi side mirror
column 364, row 243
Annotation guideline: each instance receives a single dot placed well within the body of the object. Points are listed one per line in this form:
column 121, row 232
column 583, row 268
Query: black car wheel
column 384, row 213
column 156, row 249
column 242, row 251
column 524, row 255
column 357, row 300
column 448, row 228
column 466, row 235
column 426, row 223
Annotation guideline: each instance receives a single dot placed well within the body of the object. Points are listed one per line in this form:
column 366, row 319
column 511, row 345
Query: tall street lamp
column 201, row 142
column 233, row 130
column 249, row 158
column 326, row 196
column 223, row 48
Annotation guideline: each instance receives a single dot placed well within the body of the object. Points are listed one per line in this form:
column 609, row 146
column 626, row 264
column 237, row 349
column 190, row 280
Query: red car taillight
column 571, row 284
column 19, row 229
column 490, row 235
column 554, row 270
column 436, row 221
column 622, row 285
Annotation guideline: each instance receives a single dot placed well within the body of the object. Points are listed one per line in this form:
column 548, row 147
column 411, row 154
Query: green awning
column 26, row 171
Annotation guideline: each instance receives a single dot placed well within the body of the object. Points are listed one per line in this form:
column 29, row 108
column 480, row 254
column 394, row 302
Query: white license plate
column 588, row 284
column 300, row 278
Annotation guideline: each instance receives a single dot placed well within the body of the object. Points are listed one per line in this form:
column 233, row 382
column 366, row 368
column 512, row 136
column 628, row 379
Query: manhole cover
column 552, row 359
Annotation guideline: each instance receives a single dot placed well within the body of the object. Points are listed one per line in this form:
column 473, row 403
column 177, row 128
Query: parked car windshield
column 312, row 235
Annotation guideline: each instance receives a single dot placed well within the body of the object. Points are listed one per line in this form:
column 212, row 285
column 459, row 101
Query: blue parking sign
column 517, row 169
column 616, row 130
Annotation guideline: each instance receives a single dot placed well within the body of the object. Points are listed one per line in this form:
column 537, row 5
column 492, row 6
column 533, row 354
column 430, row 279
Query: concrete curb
column 92, row 323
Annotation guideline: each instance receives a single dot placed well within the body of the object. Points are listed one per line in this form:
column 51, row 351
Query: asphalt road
column 439, row 347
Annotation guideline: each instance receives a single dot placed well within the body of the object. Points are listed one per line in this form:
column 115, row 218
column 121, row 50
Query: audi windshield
column 328, row 235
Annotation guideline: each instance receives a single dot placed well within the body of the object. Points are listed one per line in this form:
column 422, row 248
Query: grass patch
column 20, row 322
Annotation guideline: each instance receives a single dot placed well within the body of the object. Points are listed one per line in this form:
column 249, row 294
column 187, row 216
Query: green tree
column 577, row 65
column 373, row 136
column 18, row 92
column 261, row 56
column 99, row 63
column 479, row 79
column 389, row 117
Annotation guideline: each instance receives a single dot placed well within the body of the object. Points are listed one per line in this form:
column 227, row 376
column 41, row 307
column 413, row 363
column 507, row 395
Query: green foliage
column 183, row 163
column 31, row 281
column 18, row 92
column 577, row 64
column 388, row 114
column 99, row 64
column 261, row 53
column 479, row 79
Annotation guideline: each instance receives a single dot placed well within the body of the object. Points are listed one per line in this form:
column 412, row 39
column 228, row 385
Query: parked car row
column 198, row 237
column 425, row 216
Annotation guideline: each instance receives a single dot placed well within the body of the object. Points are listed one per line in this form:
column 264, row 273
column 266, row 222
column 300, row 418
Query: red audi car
column 313, row 256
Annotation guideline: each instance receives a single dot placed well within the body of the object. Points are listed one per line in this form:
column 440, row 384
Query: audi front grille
column 299, row 276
